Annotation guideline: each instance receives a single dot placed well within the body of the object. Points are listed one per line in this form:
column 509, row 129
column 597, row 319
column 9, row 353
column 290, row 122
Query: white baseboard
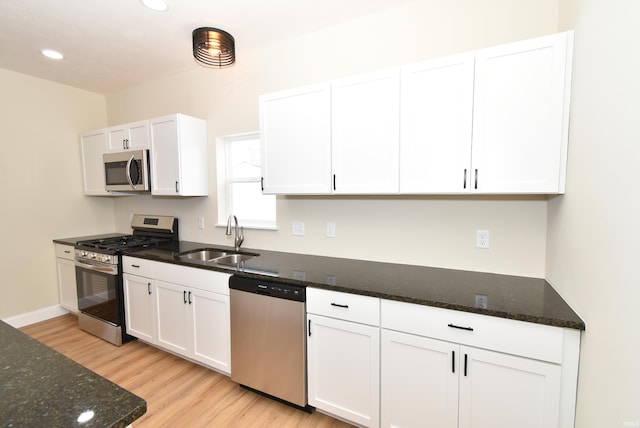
column 43, row 314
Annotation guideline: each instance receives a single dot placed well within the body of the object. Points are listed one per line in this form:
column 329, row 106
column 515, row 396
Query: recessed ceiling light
column 50, row 53
column 159, row 5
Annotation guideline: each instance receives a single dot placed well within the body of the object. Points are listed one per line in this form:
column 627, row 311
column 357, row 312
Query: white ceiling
column 110, row 45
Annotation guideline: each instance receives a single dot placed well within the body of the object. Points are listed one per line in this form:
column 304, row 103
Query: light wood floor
column 178, row 392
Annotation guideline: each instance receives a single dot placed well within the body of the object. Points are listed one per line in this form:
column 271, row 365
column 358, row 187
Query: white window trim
column 221, row 188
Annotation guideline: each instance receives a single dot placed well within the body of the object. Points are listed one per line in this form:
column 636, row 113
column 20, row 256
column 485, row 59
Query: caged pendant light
column 213, row 47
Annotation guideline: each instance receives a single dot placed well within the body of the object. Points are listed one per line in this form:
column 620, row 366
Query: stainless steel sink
column 215, row 256
column 203, row 255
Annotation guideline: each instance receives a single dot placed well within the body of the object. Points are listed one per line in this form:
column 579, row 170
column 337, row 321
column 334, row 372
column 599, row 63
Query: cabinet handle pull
column 476, row 179
column 67, row 251
column 460, row 328
column 334, row 182
column 262, row 183
column 177, row 188
column 149, row 287
column 453, row 361
column 340, row 306
column 184, row 296
column 189, row 297
column 464, row 183
column 136, row 266
column 465, row 364
column 309, row 328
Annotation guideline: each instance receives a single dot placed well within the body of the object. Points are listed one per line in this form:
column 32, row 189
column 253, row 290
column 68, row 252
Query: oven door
column 97, row 286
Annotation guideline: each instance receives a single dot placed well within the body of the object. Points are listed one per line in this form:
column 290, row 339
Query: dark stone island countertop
column 40, row 387
column 506, row 296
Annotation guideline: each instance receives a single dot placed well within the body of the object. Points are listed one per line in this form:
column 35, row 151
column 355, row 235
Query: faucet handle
column 240, row 237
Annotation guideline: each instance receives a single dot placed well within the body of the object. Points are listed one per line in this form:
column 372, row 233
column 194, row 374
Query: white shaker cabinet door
column 92, row 146
column 131, row 136
column 211, row 329
column 179, row 162
column 173, row 327
column 343, row 361
column 435, row 125
column 295, row 138
column 365, row 121
column 504, row 391
column 520, row 116
column 419, row 381
column 139, row 307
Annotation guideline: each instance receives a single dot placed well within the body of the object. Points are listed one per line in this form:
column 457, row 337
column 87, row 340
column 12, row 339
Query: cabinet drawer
column 65, row 251
column 350, row 307
column 203, row 279
column 137, row 266
column 530, row 340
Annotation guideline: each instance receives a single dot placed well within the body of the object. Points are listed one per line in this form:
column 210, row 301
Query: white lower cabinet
column 445, row 368
column 139, row 307
column 187, row 312
column 427, row 382
column 343, row 355
column 504, row 391
column 66, row 267
column 419, row 381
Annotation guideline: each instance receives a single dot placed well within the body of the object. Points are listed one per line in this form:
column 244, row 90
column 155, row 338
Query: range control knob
column 93, row 255
column 106, row 259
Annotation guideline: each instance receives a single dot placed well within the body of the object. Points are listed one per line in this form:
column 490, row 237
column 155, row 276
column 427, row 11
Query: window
column 240, row 172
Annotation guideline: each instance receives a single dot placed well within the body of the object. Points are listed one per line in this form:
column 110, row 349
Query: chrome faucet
column 239, row 232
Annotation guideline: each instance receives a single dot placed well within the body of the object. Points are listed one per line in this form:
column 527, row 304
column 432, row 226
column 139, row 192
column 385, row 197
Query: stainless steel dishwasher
column 268, row 338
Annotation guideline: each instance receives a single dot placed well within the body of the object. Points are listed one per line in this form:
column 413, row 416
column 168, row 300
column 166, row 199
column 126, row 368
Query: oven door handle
column 110, row 270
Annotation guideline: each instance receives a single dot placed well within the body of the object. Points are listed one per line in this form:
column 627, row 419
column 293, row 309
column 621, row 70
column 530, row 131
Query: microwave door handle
column 129, row 173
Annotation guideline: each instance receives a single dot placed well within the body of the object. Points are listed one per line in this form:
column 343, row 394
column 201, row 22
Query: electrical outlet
column 200, row 222
column 297, row 228
column 331, row 280
column 331, row 230
column 482, row 239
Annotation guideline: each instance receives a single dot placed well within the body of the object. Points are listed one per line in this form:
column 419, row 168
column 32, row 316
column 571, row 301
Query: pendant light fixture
column 213, row 47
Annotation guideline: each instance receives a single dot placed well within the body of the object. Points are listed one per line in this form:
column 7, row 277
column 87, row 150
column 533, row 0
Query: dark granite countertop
column 72, row 241
column 39, row 387
column 513, row 297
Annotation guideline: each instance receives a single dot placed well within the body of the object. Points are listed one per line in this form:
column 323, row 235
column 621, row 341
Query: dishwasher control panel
column 268, row 288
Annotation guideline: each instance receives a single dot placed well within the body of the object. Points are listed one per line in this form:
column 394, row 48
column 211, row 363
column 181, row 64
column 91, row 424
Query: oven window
column 97, row 294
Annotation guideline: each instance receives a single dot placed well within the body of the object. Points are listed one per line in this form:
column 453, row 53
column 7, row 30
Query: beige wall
column 41, row 188
column 420, row 230
column 593, row 231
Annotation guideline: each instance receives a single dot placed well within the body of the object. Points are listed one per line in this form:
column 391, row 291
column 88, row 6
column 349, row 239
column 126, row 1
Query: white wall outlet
column 297, row 228
column 299, row 275
column 331, row 230
column 200, row 222
column 482, row 239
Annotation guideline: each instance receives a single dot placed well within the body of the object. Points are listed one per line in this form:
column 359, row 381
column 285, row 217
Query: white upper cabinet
column 131, row 136
column 492, row 121
column 521, row 116
column 92, row 146
column 179, row 163
column 295, row 136
column 435, row 137
column 365, row 117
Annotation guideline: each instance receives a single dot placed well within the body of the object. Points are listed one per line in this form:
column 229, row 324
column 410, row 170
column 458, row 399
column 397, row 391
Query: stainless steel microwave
column 127, row 171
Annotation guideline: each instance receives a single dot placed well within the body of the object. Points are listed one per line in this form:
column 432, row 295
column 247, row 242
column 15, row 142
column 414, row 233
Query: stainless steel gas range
column 99, row 274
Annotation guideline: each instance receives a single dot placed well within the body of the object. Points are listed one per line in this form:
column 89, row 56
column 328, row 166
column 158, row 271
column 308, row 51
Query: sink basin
column 203, row 255
column 232, row 259
column 215, row 256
